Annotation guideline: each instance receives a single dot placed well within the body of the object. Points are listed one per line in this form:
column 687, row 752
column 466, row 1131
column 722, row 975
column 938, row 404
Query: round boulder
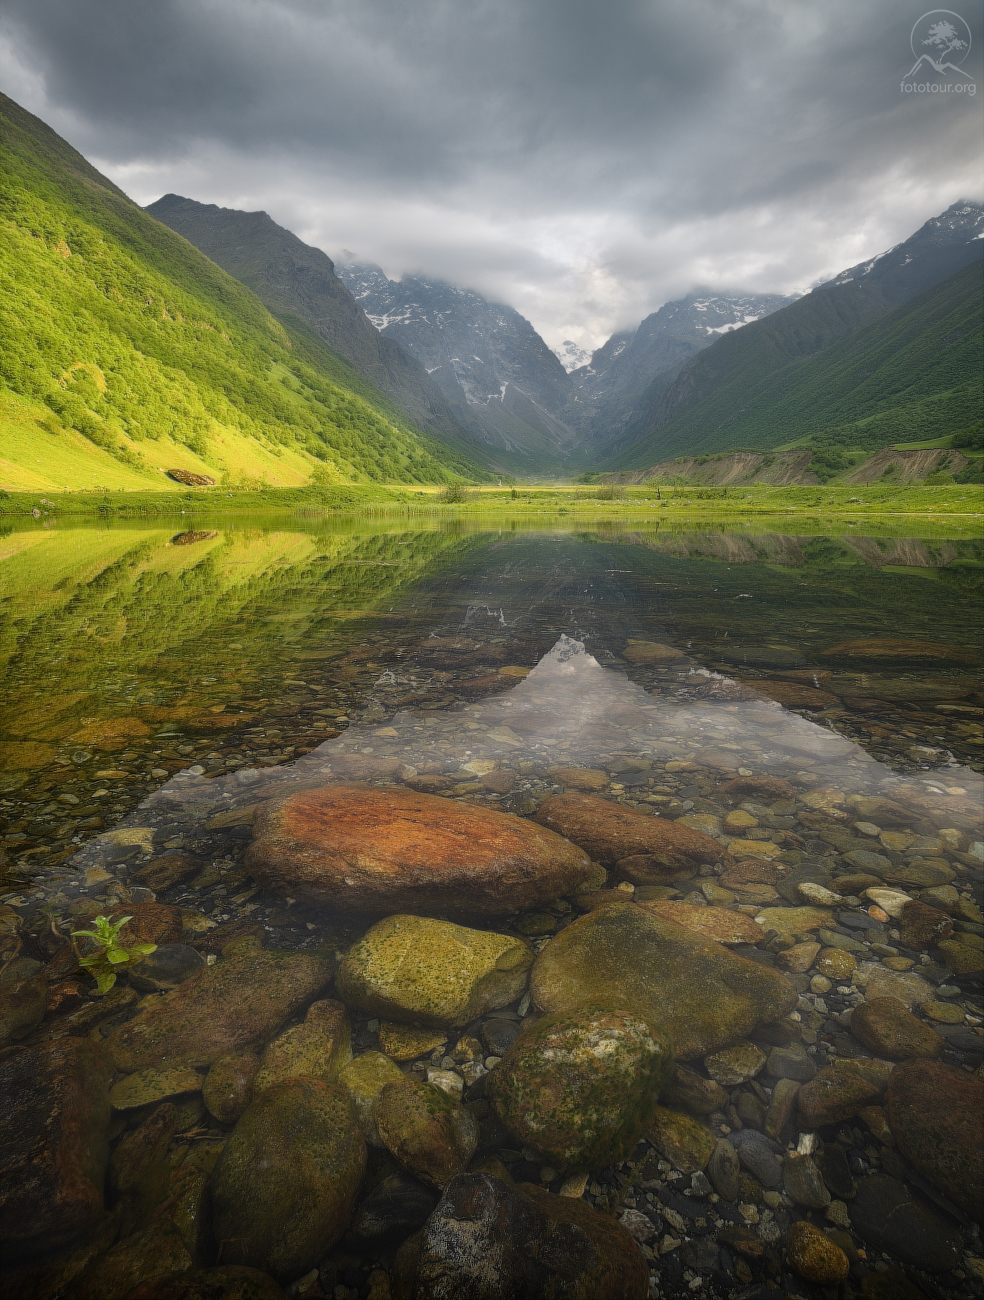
column 381, row 851
column 581, row 1088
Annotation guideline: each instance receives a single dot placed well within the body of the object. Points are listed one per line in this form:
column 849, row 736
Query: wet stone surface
column 820, row 845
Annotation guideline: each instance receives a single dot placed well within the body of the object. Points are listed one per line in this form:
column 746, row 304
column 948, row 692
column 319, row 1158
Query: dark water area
column 806, row 708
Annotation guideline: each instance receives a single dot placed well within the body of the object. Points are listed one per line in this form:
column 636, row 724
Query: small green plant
column 111, row 955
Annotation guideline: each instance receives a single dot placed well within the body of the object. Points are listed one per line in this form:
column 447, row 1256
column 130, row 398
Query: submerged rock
column 814, row 1256
column 936, row 1114
column 888, row 1216
column 155, row 1252
column 228, row 1282
column 489, row 1241
column 288, row 1176
column 581, row 1087
column 429, row 1132
column 316, row 1049
column 430, row 972
column 54, row 1127
column 396, row 1207
column 681, row 1140
column 621, row 956
column 232, row 1006
column 837, row 1093
column 228, row 1087
column 23, row 1003
column 384, row 851
column 364, row 1078
column 886, row 1027
column 711, row 922
column 610, row 833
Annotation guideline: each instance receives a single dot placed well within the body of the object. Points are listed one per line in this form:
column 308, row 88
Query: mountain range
column 213, row 341
column 500, row 379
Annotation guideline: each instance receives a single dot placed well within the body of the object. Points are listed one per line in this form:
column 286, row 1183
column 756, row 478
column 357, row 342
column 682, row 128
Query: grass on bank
column 558, row 501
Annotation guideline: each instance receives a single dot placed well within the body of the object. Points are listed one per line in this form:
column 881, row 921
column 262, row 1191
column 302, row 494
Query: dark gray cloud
column 582, row 160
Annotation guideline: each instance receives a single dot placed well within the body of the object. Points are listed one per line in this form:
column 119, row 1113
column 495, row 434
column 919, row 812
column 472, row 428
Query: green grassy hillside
column 124, row 352
column 915, row 374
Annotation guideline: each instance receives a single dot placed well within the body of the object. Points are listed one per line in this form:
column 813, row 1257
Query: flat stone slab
column 712, row 922
column 621, row 956
column 382, row 851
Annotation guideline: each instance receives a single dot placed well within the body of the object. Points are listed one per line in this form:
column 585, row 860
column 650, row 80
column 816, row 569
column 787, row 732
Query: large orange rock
column 393, row 850
column 610, row 833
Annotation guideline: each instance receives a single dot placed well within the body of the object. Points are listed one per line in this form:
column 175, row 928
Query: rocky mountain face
column 608, row 390
column 730, row 369
column 500, row 379
column 295, row 280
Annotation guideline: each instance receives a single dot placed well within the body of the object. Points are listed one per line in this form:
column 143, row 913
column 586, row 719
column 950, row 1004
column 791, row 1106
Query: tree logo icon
column 940, row 39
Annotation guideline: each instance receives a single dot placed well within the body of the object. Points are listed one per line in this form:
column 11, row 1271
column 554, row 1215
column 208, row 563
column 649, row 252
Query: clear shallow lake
column 159, row 686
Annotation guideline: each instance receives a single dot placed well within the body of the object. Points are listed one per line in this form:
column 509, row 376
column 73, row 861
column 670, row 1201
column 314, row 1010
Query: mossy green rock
column 420, row 971
column 283, row 1189
column 682, row 1140
column 235, row 1005
column 316, row 1049
column 704, row 996
column 430, row 1133
column 228, row 1086
column 365, row 1077
column 146, row 1086
column 581, row 1088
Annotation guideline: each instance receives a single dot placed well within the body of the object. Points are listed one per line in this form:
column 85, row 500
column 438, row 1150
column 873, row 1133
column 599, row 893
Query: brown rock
column 364, row 767
column 837, row 1093
column 487, row 1240
column 233, row 1006
column 782, row 1108
column 797, row 959
column 500, row 781
column 579, row 778
column 712, row 922
column 161, row 873
column 22, row 1006
column 726, row 760
column 689, row 1090
column 54, row 1126
column 752, row 871
column 386, row 851
column 228, row 1282
column 936, row 1113
column 923, row 926
column 795, row 695
column 894, row 648
column 814, row 1256
column 767, row 789
column 150, row 923
column 154, row 1252
column 651, row 652
column 610, row 833
column 888, row 1028
column 429, row 783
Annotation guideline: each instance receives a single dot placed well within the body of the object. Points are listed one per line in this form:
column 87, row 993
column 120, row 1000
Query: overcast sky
column 583, row 160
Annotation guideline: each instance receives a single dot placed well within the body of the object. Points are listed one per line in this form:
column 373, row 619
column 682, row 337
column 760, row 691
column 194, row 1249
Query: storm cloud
column 583, row 161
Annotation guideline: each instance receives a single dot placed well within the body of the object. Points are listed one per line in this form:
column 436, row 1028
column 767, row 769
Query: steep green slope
column 124, row 348
column 914, row 374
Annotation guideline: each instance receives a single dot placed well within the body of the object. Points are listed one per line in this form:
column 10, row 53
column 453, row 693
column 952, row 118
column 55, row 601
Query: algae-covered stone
column 428, row 972
column 814, row 1256
column 285, row 1183
column 836, row 964
column 316, row 1049
column 235, row 1005
column 711, row 922
column 365, row 1077
column 681, row 1140
column 736, row 1064
column 885, row 1026
column 961, row 957
column 406, row 1042
column 704, row 996
column 154, row 1252
column 228, row 1087
column 429, row 1132
column 788, row 921
column 837, row 1093
column 146, row 1086
column 581, row 1087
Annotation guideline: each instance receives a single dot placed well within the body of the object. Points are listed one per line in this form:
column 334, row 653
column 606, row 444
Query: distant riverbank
column 844, row 502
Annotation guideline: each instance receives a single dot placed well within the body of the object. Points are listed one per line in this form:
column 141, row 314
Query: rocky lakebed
column 584, row 974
